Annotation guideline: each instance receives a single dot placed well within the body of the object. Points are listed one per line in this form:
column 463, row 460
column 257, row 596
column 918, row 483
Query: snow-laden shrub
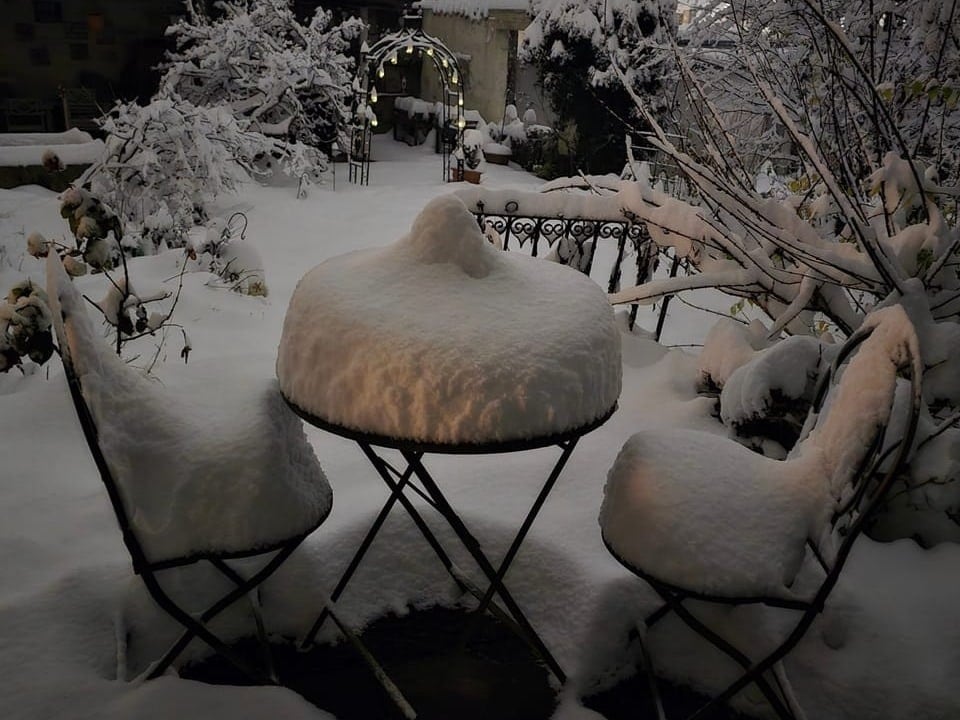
column 232, row 257
column 472, row 148
column 164, row 161
column 25, row 326
column 869, row 220
column 909, row 50
column 96, row 229
column 574, row 45
column 279, row 76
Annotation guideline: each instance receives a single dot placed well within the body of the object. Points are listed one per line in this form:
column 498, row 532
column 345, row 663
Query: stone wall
column 483, row 50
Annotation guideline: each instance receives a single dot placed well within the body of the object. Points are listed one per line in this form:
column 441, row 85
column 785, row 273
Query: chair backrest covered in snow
column 218, row 469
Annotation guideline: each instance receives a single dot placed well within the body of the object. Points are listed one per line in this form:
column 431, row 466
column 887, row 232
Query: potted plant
column 471, row 154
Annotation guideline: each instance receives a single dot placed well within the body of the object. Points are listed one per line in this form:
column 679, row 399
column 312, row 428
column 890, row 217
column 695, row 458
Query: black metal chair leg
column 652, row 680
column 782, row 710
column 253, row 598
column 194, row 629
column 154, row 587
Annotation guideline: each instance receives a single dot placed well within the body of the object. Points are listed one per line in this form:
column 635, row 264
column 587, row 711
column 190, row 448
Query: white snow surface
column 442, row 338
column 64, row 574
column 198, row 474
column 473, row 9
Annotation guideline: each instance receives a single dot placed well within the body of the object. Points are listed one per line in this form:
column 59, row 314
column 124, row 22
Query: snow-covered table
column 441, row 343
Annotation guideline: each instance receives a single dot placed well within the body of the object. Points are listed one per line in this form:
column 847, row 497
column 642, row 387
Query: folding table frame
column 399, row 482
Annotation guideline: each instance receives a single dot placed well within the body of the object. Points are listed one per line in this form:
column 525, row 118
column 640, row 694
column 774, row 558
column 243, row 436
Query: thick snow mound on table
column 442, row 338
column 215, row 463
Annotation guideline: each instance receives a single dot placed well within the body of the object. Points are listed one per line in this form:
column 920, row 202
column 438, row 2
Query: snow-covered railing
column 582, row 231
column 52, row 160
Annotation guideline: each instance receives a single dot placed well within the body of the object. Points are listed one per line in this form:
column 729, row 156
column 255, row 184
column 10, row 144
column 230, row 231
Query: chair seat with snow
column 189, row 482
column 702, row 518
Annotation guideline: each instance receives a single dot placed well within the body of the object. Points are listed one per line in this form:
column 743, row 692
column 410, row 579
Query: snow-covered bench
column 587, row 232
column 413, row 119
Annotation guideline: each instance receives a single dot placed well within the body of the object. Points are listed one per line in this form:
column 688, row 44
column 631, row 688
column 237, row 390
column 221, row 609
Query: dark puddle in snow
column 492, row 675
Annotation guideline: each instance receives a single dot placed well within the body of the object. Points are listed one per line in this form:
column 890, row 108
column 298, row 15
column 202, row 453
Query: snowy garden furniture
column 189, row 483
column 573, row 228
column 413, row 119
column 702, row 518
column 442, row 344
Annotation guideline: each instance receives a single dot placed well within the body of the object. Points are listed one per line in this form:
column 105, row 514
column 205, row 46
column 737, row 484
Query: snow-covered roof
column 475, row 9
column 441, row 338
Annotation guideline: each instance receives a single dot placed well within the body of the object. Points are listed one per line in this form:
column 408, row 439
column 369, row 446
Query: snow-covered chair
column 700, row 517
column 189, row 482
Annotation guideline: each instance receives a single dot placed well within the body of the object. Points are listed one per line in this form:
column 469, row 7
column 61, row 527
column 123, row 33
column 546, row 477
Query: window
column 39, row 56
column 75, row 32
column 24, row 31
column 79, row 51
column 48, row 11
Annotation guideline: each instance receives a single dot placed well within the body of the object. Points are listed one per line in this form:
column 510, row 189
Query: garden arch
column 450, row 118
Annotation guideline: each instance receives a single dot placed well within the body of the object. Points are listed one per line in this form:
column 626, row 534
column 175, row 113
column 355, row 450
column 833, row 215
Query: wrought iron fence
column 573, row 241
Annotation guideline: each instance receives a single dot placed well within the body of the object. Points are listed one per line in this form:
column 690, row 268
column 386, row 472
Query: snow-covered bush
column 96, row 230
column 278, row 76
column 98, row 238
column 232, row 257
column 868, row 222
column 25, row 326
column 571, row 43
column 529, row 142
column 897, row 59
column 472, row 148
column 164, row 161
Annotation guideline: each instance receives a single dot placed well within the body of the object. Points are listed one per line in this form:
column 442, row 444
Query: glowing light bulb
column 430, row 52
column 410, row 49
column 393, row 59
column 373, row 121
column 373, row 94
column 444, row 62
column 380, row 72
column 462, row 123
column 460, row 100
column 453, row 78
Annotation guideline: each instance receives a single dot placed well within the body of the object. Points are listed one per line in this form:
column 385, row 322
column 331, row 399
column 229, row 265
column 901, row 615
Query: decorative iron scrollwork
column 573, row 241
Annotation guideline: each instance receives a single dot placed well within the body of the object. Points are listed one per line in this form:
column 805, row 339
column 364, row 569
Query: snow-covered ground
column 888, row 645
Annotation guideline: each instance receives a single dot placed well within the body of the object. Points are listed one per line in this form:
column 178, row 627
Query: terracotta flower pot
column 470, row 176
